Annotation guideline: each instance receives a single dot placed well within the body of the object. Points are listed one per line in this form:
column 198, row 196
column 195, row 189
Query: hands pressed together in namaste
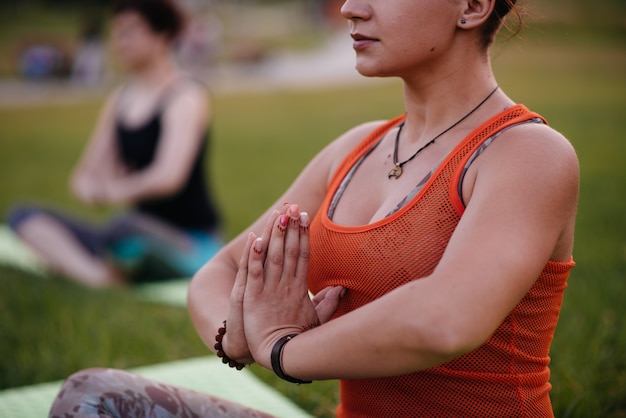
column 270, row 296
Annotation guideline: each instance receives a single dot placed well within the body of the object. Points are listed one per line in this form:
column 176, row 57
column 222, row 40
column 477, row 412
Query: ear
column 475, row 13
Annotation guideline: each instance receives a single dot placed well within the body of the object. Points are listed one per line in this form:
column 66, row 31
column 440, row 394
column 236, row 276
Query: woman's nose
column 356, row 9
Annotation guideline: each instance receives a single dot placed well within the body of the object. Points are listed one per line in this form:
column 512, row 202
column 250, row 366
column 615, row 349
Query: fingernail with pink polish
column 258, row 246
column 304, row 219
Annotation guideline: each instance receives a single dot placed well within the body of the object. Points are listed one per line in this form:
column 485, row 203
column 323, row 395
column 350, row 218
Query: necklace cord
column 396, row 171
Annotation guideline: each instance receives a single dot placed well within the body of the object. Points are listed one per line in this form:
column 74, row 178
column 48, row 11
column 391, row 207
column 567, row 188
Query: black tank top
column 191, row 207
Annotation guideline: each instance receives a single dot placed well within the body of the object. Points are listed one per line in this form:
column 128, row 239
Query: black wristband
column 277, row 363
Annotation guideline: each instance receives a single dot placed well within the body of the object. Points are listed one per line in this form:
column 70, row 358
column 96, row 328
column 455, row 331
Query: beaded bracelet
column 277, row 361
column 220, row 350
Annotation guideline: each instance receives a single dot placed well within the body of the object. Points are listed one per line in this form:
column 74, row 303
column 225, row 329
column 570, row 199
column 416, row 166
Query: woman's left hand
column 276, row 301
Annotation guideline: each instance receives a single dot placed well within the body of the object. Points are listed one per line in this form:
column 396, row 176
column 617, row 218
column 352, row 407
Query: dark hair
column 163, row 16
column 495, row 21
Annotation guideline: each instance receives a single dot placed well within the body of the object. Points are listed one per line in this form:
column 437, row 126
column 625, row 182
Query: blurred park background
column 283, row 86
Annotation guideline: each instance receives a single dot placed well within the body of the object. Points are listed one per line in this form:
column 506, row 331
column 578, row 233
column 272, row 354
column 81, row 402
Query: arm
column 209, row 296
column 184, row 121
column 98, row 161
column 521, row 210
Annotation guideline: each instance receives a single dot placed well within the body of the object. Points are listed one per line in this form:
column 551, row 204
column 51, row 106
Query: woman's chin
column 370, row 71
column 368, row 67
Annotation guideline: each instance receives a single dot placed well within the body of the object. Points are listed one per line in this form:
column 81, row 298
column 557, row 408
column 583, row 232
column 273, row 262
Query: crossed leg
column 111, row 393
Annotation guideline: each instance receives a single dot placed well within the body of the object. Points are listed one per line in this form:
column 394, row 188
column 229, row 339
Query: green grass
column 51, row 326
column 261, row 141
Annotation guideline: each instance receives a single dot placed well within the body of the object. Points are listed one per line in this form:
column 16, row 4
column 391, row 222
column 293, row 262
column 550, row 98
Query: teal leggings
column 145, row 248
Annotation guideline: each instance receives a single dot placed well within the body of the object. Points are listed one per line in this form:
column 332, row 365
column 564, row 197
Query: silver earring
column 463, row 21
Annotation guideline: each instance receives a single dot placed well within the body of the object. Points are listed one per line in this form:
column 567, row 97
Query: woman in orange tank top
column 437, row 244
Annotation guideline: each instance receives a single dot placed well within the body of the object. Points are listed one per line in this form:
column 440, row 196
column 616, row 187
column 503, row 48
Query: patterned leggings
column 110, row 393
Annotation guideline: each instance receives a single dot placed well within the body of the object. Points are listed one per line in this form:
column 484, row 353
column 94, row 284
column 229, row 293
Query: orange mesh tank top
column 508, row 375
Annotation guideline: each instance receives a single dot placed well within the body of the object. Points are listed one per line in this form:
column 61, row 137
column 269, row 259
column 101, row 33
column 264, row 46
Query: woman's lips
column 361, row 42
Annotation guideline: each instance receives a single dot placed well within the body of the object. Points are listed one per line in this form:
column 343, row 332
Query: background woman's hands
column 85, row 189
column 97, row 188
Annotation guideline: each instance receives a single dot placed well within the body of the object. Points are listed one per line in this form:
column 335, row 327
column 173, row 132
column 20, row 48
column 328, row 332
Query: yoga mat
column 204, row 374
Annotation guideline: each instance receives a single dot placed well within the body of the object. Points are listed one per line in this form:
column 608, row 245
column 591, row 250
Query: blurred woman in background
column 147, row 155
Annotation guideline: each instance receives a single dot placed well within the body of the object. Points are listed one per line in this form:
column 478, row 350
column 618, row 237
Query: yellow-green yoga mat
column 205, row 374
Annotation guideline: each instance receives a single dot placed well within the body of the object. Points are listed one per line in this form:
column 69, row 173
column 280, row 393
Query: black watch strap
column 277, row 364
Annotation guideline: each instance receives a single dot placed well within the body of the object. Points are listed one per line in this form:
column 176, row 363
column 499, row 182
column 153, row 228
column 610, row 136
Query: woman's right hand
column 234, row 343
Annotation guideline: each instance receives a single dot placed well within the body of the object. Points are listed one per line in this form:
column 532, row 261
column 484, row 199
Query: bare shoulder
column 337, row 151
column 319, row 172
column 544, row 134
column 112, row 99
column 189, row 90
column 189, row 97
column 529, row 160
column 109, row 108
column 539, row 148
column 353, row 137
